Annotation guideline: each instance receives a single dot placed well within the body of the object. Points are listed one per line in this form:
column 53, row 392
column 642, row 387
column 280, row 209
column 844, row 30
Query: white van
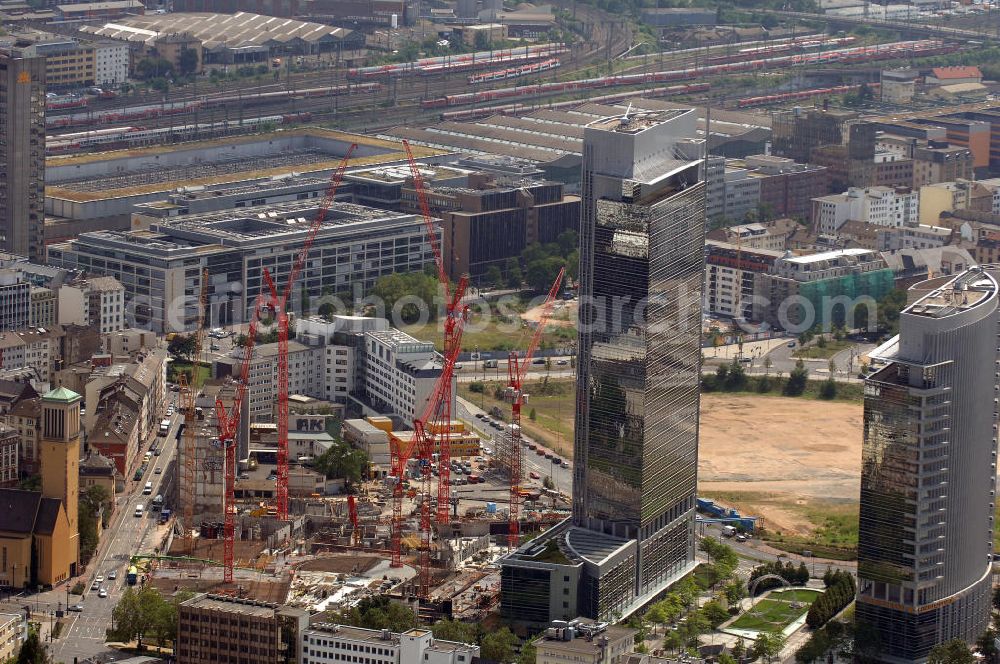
column 728, row 531
column 139, row 509
column 148, row 489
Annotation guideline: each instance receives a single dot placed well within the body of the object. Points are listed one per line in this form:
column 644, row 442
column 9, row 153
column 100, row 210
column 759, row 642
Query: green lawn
column 776, row 614
column 204, row 371
column 494, row 336
column 831, row 348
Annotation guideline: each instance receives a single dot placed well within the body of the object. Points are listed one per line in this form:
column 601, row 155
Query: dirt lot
column 784, row 459
column 344, row 564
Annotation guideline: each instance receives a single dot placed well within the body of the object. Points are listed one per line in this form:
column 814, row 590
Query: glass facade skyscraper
column 636, row 446
column 929, row 472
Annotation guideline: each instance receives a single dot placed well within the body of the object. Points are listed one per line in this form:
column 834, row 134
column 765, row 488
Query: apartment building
column 880, row 206
column 13, row 633
column 352, row 358
column 31, row 351
column 327, row 642
column 400, row 373
column 15, row 301
column 96, row 301
column 816, row 286
column 982, row 196
column 111, row 62
column 771, row 235
column 729, row 277
column 219, row 629
column 44, row 304
column 10, row 440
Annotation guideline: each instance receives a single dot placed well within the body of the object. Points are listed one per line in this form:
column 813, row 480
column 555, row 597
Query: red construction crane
column 352, row 514
column 434, row 424
column 279, row 304
column 452, row 343
column 516, row 369
column 431, row 422
column 229, row 426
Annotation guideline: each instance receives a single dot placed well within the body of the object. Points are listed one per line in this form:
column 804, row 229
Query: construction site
column 435, row 507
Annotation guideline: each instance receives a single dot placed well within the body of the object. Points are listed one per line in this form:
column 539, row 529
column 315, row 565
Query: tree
column 726, row 658
column 183, row 345
column 715, row 613
column 187, row 61
column 33, row 651
column 419, row 289
column 126, row 617
column 514, row 275
column 498, row 645
column 453, row 630
column 342, row 460
column 986, row 646
column 532, row 415
column 768, row 645
column 951, row 652
column 493, row 277
column 482, row 40
column 828, row 390
column 541, row 273
column 734, row 592
column 657, row 615
column 797, row 379
column 153, row 67
column 94, row 502
column 528, row 653
column 739, row 648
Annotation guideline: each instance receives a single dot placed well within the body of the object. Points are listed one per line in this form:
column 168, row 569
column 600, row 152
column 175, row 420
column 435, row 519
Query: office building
column 22, row 153
column 584, row 642
column 161, row 269
column 97, row 301
column 635, row 459
column 219, row 629
column 799, row 292
column 928, row 473
column 492, row 220
column 327, row 642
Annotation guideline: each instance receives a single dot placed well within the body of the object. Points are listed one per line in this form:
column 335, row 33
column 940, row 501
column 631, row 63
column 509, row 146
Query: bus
column 132, row 576
column 164, row 426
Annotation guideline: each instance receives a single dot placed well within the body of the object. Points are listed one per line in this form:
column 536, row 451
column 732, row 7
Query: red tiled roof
column 944, row 73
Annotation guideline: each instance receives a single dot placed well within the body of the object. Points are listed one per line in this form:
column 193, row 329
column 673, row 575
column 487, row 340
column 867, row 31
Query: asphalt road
column 125, row 536
column 562, row 475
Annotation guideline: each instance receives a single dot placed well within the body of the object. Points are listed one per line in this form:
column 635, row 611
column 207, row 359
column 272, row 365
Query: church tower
column 60, row 459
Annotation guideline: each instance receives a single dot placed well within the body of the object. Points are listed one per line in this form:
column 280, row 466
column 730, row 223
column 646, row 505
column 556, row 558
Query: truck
column 728, row 531
column 165, row 515
column 132, row 576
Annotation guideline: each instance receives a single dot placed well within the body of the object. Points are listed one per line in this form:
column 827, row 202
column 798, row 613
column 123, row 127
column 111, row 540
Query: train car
column 779, row 98
column 59, row 102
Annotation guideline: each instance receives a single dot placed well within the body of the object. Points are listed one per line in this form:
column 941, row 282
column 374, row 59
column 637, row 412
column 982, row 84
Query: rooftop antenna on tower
column 628, row 110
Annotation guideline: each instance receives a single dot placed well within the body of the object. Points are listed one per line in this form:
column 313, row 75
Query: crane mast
column 279, row 303
column 516, row 369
